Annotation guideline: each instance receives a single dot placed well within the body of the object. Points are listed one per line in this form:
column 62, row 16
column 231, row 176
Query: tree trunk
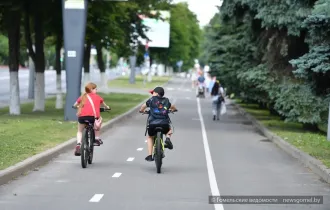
column 13, row 27
column 310, row 127
column 59, row 95
column 262, row 105
column 100, row 63
column 39, row 99
column 87, row 56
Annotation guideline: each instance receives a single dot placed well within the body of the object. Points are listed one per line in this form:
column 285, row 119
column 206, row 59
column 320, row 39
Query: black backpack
column 159, row 109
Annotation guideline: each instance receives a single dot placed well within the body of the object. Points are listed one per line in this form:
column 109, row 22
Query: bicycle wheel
column 159, row 152
column 91, row 146
column 84, row 148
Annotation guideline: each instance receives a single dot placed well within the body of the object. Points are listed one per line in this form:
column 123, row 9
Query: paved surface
column 226, row 156
column 50, row 83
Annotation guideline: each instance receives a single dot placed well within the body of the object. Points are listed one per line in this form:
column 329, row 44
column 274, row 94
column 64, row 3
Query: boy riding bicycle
column 158, row 117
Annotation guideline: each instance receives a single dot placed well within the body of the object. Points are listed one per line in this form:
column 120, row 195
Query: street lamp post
column 74, row 28
column 132, row 58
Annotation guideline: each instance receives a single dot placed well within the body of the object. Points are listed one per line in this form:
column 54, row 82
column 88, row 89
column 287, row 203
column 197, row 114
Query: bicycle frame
column 88, row 140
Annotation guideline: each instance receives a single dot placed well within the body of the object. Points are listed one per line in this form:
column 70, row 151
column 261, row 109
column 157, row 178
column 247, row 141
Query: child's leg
column 98, row 136
column 79, row 132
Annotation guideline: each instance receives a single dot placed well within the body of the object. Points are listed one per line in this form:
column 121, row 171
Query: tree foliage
column 275, row 53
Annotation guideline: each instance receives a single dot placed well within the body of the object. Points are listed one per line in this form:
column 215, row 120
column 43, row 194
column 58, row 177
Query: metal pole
column 328, row 136
column 31, row 79
column 74, row 28
column 132, row 60
column 147, row 62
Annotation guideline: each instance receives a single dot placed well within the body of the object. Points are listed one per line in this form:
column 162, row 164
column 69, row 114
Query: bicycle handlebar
column 103, row 109
column 148, row 112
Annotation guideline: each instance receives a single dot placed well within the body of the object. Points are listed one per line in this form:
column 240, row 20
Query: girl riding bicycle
column 89, row 110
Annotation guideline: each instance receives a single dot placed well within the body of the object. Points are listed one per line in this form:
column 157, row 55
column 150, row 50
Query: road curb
column 31, row 163
column 315, row 165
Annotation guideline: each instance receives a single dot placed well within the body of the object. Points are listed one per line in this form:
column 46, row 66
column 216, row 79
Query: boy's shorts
column 152, row 129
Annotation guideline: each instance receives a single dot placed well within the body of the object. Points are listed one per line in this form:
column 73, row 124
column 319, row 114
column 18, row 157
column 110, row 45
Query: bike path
column 246, row 163
column 136, row 185
column 243, row 164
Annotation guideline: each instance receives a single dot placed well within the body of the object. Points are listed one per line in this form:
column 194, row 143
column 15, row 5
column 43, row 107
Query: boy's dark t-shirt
column 159, row 107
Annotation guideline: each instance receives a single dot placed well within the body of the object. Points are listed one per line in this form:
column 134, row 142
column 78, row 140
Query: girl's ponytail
column 82, row 103
column 88, row 89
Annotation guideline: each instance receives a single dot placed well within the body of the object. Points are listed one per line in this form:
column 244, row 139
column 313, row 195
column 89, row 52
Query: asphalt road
column 50, row 83
column 209, row 157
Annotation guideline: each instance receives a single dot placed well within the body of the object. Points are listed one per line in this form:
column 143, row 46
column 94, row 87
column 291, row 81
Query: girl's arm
column 75, row 104
column 104, row 104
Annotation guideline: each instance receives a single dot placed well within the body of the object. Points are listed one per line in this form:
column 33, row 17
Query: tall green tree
column 274, row 53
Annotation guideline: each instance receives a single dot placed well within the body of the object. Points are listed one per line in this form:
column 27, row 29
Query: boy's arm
column 143, row 107
column 173, row 107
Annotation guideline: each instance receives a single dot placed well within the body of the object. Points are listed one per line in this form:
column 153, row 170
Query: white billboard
column 159, row 30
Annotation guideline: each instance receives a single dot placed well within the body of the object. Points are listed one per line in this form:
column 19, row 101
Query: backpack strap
column 91, row 101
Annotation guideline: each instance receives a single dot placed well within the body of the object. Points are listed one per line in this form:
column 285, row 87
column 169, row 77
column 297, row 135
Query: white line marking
column 96, row 198
column 210, row 169
column 116, row 175
column 139, row 149
column 145, row 141
column 130, row 159
column 62, row 181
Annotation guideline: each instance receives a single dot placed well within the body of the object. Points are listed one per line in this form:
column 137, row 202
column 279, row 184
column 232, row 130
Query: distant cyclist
column 201, row 84
column 159, row 107
column 87, row 112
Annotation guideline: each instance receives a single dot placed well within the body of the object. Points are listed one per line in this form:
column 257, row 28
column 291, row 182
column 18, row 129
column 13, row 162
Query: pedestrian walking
column 218, row 97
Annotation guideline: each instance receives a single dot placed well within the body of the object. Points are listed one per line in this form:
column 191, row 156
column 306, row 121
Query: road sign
column 179, row 63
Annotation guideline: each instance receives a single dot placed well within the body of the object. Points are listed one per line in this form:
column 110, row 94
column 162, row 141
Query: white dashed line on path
column 96, row 198
column 130, row 159
column 116, row 175
column 139, row 149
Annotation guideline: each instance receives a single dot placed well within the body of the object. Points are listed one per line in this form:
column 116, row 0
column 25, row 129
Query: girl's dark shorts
column 86, row 119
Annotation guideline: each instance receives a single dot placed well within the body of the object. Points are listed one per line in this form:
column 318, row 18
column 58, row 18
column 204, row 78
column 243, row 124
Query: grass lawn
column 33, row 132
column 314, row 144
column 123, row 82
